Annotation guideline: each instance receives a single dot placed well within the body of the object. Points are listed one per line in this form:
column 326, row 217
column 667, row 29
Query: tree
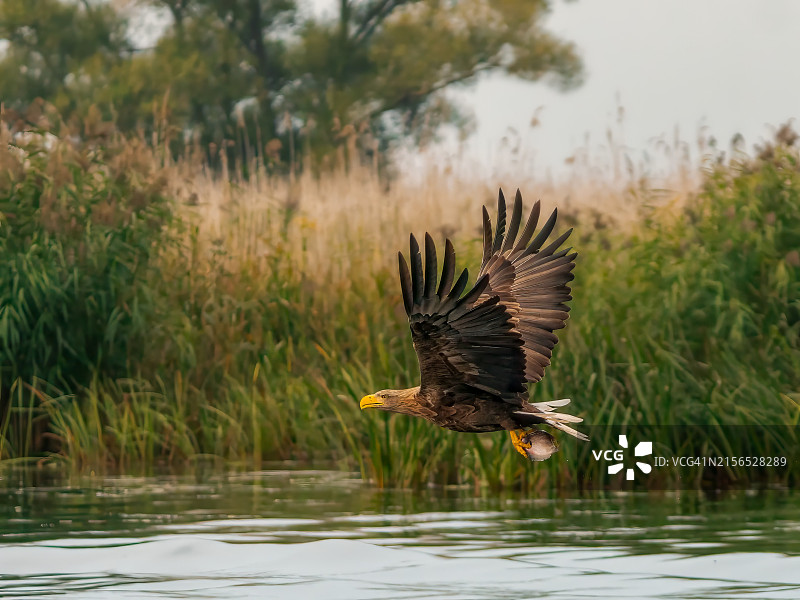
column 254, row 70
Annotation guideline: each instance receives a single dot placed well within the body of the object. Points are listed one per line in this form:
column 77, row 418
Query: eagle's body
column 461, row 410
column 477, row 351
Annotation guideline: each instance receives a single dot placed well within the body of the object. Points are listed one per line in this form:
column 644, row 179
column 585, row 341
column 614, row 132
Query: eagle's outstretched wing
column 530, row 281
column 462, row 342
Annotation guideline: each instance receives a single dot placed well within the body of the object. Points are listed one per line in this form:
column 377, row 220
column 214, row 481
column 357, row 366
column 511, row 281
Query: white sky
column 729, row 65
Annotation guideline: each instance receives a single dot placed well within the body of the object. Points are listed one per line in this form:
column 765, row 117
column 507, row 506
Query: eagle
column 478, row 350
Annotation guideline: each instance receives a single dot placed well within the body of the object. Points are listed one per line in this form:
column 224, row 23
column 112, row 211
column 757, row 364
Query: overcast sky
column 729, row 65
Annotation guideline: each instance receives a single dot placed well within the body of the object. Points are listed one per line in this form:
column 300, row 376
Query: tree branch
column 434, row 88
column 374, row 18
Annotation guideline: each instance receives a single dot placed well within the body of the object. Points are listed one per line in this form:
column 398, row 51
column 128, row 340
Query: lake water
column 315, row 534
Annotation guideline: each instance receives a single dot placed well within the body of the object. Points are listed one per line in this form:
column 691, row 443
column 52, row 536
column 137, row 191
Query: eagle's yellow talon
column 519, row 442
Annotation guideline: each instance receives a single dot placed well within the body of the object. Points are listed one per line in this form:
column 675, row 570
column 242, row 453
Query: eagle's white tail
column 545, row 412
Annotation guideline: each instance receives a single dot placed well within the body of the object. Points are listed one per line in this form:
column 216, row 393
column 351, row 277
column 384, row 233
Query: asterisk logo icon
column 641, row 449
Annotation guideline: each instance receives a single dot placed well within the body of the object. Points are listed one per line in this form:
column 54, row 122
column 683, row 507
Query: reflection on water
column 284, row 534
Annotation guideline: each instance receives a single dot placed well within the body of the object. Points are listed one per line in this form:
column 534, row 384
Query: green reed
column 131, row 335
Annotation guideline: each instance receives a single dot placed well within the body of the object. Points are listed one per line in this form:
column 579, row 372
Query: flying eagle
column 477, row 350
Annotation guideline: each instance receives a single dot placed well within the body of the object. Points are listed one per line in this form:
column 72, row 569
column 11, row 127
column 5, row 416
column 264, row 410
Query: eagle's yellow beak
column 370, row 401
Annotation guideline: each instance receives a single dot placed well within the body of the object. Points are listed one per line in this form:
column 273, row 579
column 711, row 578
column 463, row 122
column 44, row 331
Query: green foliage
column 712, row 295
column 693, row 322
column 192, row 79
column 60, row 51
column 79, row 228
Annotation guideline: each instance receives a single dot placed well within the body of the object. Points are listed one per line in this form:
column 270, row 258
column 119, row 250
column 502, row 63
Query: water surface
column 316, row 534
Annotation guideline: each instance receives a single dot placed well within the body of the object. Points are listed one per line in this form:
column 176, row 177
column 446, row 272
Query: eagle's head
column 398, row 401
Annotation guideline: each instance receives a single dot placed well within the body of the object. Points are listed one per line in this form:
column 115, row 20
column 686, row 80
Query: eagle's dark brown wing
column 529, row 280
column 461, row 343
